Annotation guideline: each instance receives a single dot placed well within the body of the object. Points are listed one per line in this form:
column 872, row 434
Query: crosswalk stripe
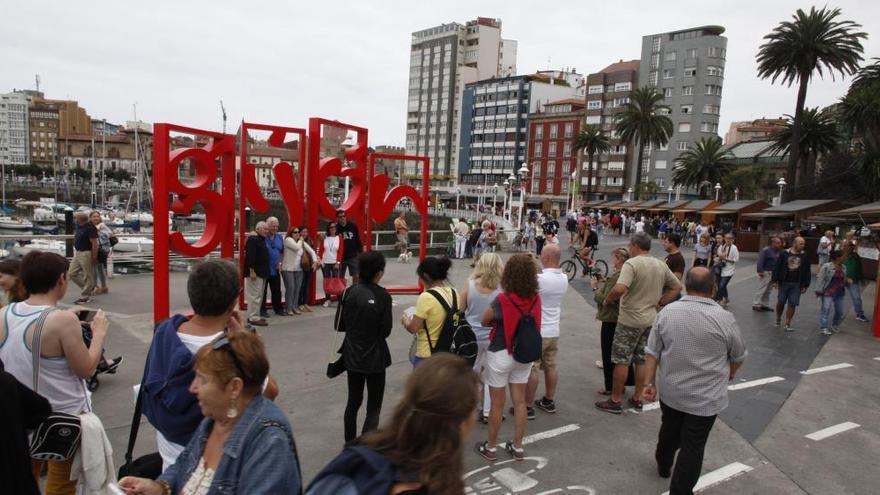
column 832, row 430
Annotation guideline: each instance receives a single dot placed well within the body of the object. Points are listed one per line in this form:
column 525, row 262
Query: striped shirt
column 694, row 341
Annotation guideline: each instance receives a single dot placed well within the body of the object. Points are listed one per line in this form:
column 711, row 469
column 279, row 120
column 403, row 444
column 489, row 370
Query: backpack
column 456, row 336
column 527, row 342
column 357, row 470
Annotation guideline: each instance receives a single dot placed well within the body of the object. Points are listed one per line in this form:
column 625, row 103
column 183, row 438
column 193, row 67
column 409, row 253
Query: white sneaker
column 599, row 363
column 327, row 303
column 825, row 331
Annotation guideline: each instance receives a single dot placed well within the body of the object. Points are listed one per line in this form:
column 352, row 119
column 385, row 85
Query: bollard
column 68, row 229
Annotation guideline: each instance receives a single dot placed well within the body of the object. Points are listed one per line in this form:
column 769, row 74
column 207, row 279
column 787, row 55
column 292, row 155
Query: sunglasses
column 296, row 232
column 222, row 343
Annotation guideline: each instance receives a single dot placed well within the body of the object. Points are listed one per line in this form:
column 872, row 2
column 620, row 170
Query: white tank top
column 58, row 384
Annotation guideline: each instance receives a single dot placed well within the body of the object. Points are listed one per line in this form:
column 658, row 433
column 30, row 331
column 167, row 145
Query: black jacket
column 351, row 239
column 366, row 320
column 256, row 256
column 780, row 272
column 22, row 411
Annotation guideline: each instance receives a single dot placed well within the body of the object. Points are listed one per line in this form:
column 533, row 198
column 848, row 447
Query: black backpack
column 527, row 343
column 456, row 336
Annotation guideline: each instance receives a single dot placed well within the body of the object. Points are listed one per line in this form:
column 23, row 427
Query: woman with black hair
column 364, row 314
column 427, row 322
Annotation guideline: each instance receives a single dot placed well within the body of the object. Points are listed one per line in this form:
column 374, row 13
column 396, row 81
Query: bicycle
column 570, row 267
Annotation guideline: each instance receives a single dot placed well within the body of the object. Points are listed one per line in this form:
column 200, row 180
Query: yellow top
column 429, row 309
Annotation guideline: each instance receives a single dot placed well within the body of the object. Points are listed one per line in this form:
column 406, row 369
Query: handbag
column 113, row 240
column 337, row 367
column 57, row 438
column 306, row 261
column 147, row 466
column 334, row 286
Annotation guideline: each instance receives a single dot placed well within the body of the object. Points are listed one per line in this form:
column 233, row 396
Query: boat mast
column 104, row 164
column 137, row 163
column 94, row 159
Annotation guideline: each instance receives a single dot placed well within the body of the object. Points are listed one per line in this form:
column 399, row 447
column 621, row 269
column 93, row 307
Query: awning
column 769, row 214
column 695, row 206
column 625, row 205
column 594, row 204
column 650, row 204
column 670, row 206
column 869, row 209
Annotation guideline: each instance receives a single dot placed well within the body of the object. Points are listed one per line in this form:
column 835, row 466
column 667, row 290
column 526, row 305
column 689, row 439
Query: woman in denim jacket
column 244, row 444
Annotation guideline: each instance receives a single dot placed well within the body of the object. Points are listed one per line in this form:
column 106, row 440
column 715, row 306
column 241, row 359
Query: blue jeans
column 722, row 288
column 855, row 294
column 826, row 309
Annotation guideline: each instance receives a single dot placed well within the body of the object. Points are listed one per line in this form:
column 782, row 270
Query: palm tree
column 794, row 50
column 593, row 141
column 860, row 112
column 643, row 120
column 707, row 163
column 819, row 135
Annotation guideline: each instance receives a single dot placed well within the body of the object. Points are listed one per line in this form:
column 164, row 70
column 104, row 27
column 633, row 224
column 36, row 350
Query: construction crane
column 223, row 109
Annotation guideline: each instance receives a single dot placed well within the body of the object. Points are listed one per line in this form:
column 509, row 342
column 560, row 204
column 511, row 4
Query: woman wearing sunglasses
column 297, row 255
column 245, row 443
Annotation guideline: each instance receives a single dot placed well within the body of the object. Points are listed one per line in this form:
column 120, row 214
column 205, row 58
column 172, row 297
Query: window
column 554, row 131
column 594, row 119
column 713, row 89
column 667, row 92
column 595, row 89
column 711, row 109
column 615, row 165
column 687, row 90
column 715, row 71
column 692, row 53
column 594, row 105
column 663, row 147
column 709, row 127
column 687, row 109
column 539, row 149
column 652, row 78
column 551, row 169
column 618, row 149
column 551, row 150
column 569, row 127
column 663, row 111
column 669, row 73
column 660, row 164
column 717, row 52
column 619, row 102
column 566, row 150
column 614, row 181
column 624, row 86
column 690, row 72
column 655, row 60
column 669, row 57
column 684, row 127
column 682, row 146
column 535, row 184
column 539, row 131
column 655, row 43
column 564, row 187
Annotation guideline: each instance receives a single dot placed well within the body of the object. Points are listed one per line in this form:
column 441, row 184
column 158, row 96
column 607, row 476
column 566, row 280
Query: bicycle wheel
column 601, row 267
column 569, row 269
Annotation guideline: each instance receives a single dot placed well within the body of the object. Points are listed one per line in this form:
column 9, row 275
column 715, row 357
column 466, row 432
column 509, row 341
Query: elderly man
column 644, row 283
column 766, row 263
column 699, row 348
column 256, row 270
column 275, row 244
column 82, row 269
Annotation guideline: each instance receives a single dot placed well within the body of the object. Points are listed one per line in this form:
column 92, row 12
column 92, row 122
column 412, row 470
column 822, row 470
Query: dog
column 404, row 257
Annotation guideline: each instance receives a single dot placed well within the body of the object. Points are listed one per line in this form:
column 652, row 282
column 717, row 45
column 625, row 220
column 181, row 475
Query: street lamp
column 457, row 195
column 669, row 198
column 504, row 208
column 678, row 192
column 523, row 176
column 781, row 183
column 629, row 194
column 717, row 190
column 494, row 197
column 736, row 194
column 573, row 184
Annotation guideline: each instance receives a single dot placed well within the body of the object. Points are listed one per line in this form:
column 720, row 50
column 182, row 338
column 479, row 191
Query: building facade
column 14, row 129
column 114, row 152
column 687, row 66
column 752, row 130
column 494, row 116
column 43, row 122
column 551, row 154
column 607, row 92
column 442, row 60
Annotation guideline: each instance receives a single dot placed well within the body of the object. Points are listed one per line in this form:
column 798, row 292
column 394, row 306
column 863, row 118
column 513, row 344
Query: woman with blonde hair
column 482, row 288
column 607, row 314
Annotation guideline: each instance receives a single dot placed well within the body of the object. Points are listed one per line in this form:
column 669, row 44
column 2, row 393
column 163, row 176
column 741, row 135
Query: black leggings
column 608, row 328
column 375, row 391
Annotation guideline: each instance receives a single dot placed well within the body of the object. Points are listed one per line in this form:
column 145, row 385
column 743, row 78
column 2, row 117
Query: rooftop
column 621, row 66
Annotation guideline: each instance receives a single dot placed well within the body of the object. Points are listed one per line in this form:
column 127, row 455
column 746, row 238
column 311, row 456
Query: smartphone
column 86, row 315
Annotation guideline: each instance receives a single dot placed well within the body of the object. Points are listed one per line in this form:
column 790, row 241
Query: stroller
column 104, row 366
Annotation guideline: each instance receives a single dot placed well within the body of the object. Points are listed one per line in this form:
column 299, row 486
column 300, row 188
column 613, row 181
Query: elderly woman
column 245, row 443
column 607, row 314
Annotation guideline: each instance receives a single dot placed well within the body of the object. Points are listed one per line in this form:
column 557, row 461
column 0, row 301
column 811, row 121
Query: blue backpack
column 357, row 470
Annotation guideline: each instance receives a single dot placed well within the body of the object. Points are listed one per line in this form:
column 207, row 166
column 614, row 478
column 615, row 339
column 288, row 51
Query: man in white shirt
column 639, row 226
column 461, row 232
column 552, row 284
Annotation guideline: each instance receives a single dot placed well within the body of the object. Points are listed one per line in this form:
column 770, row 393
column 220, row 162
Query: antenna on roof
column 223, row 109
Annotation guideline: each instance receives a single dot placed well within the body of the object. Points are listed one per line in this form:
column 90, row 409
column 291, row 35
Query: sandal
column 603, row 392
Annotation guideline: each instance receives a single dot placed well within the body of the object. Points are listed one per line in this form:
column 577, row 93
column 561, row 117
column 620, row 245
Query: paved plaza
column 785, row 431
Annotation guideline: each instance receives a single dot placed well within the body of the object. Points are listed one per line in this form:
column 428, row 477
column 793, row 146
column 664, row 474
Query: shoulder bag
column 57, row 438
column 306, row 260
column 147, row 466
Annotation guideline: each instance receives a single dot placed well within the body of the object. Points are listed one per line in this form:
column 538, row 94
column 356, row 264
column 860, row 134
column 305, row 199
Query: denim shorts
column 789, row 292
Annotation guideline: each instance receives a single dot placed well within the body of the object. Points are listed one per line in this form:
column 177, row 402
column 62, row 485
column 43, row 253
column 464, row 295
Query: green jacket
column 607, row 312
column 853, row 264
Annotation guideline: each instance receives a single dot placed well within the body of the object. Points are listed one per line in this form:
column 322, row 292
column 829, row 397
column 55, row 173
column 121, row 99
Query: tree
column 643, row 120
column 794, row 50
column 819, row 135
column 751, row 180
column 647, row 189
column 593, row 141
column 707, row 163
column 860, row 113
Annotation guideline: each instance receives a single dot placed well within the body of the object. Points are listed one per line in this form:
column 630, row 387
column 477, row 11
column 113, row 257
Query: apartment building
column 43, row 122
column 551, row 154
column 687, row 66
column 752, row 130
column 14, row 129
column 607, row 92
column 443, row 59
column 494, row 116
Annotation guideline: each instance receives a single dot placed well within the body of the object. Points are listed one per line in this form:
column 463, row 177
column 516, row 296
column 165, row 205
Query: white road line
column 555, row 432
column 755, row 383
column 832, row 430
column 719, row 475
column 877, row 358
column 813, row 371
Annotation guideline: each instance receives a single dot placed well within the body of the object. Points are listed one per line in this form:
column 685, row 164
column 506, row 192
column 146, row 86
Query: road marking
column 813, row 371
column 877, row 358
column 555, row 432
column 832, row 430
column 755, row 383
column 719, row 475
column 648, row 406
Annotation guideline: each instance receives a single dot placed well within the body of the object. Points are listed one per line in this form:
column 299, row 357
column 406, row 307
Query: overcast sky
column 282, row 62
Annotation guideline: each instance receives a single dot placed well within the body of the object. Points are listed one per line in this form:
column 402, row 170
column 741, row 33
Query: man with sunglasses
column 351, row 246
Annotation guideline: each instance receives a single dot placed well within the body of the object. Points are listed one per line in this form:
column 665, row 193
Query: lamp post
column 512, row 180
column 457, row 196
column 717, row 190
column 736, row 194
column 781, row 183
column 494, row 197
column 678, row 192
column 504, row 208
column 573, row 193
column 669, row 196
column 629, row 194
column 523, row 176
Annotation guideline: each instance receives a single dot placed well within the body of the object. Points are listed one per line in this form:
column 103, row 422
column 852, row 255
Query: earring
column 232, row 411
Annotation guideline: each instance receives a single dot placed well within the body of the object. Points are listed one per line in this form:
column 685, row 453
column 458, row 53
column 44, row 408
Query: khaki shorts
column 629, row 344
column 549, row 350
